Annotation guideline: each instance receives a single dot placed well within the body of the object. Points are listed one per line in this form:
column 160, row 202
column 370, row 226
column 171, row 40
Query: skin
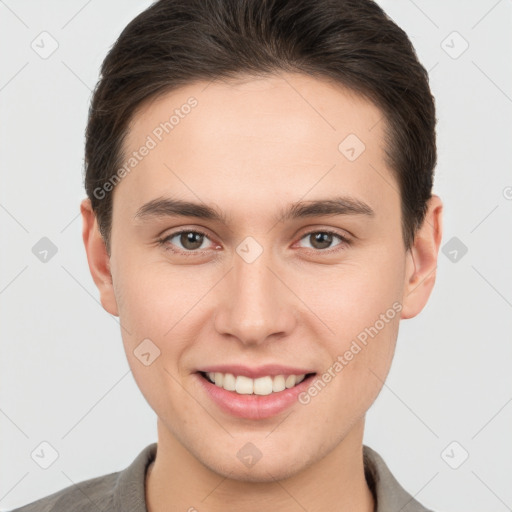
column 250, row 148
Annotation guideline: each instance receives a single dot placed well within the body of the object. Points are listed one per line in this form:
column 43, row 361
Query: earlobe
column 97, row 257
column 421, row 263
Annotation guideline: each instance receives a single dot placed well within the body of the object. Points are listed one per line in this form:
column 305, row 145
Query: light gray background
column 64, row 375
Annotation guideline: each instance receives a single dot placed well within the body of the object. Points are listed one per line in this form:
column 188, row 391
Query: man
column 260, row 217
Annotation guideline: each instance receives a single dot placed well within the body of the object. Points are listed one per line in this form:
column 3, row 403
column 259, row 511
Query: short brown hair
column 353, row 42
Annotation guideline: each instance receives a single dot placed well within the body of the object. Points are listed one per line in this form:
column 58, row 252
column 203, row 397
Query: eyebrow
column 170, row 207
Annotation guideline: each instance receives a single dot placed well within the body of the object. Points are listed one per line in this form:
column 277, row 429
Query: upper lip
column 257, row 371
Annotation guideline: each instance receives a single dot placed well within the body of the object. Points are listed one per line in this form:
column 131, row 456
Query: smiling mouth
column 242, row 385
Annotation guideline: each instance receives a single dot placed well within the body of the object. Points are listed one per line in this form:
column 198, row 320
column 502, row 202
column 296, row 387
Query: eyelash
column 344, row 241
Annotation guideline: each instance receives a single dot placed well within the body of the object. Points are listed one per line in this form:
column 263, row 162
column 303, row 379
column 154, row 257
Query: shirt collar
column 388, row 494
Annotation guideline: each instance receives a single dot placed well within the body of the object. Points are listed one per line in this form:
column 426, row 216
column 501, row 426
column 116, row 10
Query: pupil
column 189, row 241
column 322, row 240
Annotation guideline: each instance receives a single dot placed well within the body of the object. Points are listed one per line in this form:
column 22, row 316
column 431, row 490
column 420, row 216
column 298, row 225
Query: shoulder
column 88, row 495
column 115, row 492
column 387, row 491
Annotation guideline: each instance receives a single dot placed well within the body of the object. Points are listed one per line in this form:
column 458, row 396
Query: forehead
column 288, row 106
column 279, row 137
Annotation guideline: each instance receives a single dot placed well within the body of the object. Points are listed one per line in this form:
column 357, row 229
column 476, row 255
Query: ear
column 97, row 257
column 421, row 263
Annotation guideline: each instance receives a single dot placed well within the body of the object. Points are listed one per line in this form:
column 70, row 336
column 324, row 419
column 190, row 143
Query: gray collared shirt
column 124, row 491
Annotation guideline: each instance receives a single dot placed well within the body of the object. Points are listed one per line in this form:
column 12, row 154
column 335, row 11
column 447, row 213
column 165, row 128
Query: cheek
column 362, row 307
column 159, row 306
column 153, row 297
column 360, row 359
column 354, row 298
column 151, row 305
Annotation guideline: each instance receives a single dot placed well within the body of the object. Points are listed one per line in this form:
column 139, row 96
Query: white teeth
column 219, row 377
column 261, row 386
column 278, row 383
column 290, row 381
column 244, row 385
column 229, row 383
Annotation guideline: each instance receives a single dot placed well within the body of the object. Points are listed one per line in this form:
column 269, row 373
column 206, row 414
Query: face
column 291, row 262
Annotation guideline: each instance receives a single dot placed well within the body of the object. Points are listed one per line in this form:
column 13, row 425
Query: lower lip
column 253, row 407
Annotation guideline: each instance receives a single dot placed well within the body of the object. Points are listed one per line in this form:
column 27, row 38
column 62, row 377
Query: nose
column 255, row 305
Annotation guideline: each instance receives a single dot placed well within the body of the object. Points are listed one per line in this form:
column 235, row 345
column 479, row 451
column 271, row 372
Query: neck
column 176, row 480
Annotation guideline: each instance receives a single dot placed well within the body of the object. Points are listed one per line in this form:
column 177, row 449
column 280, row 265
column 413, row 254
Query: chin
column 265, row 470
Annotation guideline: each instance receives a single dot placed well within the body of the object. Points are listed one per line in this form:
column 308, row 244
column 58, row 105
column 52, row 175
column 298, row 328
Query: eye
column 190, row 240
column 321, row 240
